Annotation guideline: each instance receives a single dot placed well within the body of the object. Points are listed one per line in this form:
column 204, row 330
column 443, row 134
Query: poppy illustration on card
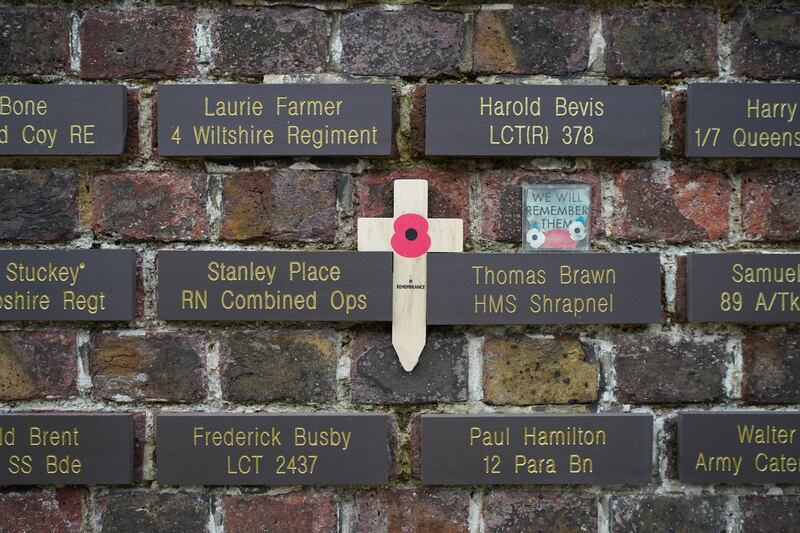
column 556, row 217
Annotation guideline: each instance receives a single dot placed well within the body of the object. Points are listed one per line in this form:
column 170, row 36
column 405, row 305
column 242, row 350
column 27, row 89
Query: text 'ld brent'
column 274, row 120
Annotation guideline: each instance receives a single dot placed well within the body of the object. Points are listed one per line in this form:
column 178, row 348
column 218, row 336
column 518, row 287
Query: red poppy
column 411, row 237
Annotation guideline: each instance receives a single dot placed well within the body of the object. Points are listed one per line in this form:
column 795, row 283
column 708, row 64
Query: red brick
column 156, row 366
column 635, row 513
column 769, row 514
column 38, row 205
column 519, row 510
column 34, row 40
column 282, row 205
column 296, row 512
column 660, row 42
column 41, row 510
column 139, row 205
column 412, row 511
column 137, row 43
column 146, row 510
column 501, row 199
column 770, row 209
column 768, row 45
column 132, row 134
column 685, row 205
column 274, row 40
column 677, row 130
column 417, row 121
column 448, row 193
column 771, row 367
column 412, row 41
column 38, row 364
column 540, row 39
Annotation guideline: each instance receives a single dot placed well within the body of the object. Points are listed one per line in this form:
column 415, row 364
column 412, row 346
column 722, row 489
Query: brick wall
column 671, row 205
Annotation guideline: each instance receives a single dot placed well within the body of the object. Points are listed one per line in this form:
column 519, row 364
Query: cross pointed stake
column 410, row 235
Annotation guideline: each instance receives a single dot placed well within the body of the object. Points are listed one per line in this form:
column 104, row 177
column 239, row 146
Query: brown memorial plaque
column 272, row 449
column 543, row 120
column 743, row 287
column 743, row 120
column 738, row 447
column 275, row 120
column 521, row 449
column 551, row 288
column 66, row 449
column 74, row 285
column 334, row 286
column 62, row 119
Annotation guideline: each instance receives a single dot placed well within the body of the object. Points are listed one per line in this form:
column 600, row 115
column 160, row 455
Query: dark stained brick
column 274, row 40
column 770, row 209
column 139, row 205
column 518, row 511
column 137, row 43
column 771, row 367
column 539, row 39
column 156, row 366
column 264, row 366
column 677, row 514
column 417, row 120
column 685, row 205
column 38, row 205
column 521, row 370
column 34, row 40
column 412, row 41
column 654, row 368
column 38, row 364
column 769, row 514
column 132, row 511
column 305, row 511
column 768, row 45
column 660, row 42
column 412, row 511
column 284, row 205
column 376, row 375
column 41, row 510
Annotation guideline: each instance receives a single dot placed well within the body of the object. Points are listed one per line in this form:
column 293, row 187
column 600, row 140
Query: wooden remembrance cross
column 410, row 235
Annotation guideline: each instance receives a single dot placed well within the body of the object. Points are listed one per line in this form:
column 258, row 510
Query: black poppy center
column 411, row 234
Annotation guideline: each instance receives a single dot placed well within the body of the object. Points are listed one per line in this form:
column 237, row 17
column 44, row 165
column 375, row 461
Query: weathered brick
column 138, row 510
column 156, row 366
column 137, row 43
column 376, row 375
column 519, row 510
column 677, row 129
column 305, row 511
column 132, row 134
column 771, row 367
column 670, row 446
column 677, row 514
column 768, row 45
column 38, row 205
column 282, row 205
column 274, row 40
column 501, row 200
column 412, row 511
column 417, row 121
column 34, row 40
column 685, row 205
column 653, row 368
column 770, row 210
column 412, row 41
column 139, row 443
column 139, row 205
column 660, row 42
column 520, row 370
column 38, row 364
column 264, row 366
column 41, row 510
column 448, row 193
column 769, row 514
column 540, row 39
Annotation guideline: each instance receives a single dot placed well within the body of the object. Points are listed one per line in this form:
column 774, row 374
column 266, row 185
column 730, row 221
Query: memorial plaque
column 743, row 287
column 74, row 285
column 275, row 120
column 335, row 286
column 743, row 120
column 66, row 449
column 272, row 449
column 62, row 119
column 543, row 120
column 739, row 447
column 552, row 288
column 521, row 449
